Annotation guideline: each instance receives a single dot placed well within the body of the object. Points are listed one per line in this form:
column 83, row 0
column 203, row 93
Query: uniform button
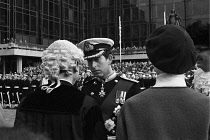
column 115, row 81
column 92, row 93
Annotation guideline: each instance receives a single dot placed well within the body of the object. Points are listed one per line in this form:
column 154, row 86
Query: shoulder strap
column 109, row 104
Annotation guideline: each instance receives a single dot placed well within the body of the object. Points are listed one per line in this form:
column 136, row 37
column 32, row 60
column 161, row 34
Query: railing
column 25, row 46
column 129, row 51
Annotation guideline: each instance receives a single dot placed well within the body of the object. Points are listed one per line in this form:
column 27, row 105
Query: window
column 51, row 9
column 66, row 1
column 33, row 24
column 70, row 11
column 66, row 15
column 71, row 31
column 19, row 3
column 96, row 18
column 135, row 30
column 45, row 26
column 57, row 12
column 51, row 29
column 104, row 16
column 160, row 11
column 75, row 17
column 143, row 30
column 111, row 15
column 97, row 32
column 3, row 17
column 126, row 31
column 33, row 5
column 104, row 32
column 144, row 13
column 103, row 3
column 33, row 40
column 56, row 30
column 66, row 31
column 111, row 2
column 45, row 7
column 126, row 2
column 169, row 7
column 135, row 13
column 196, row 7
column 126, row 14
column 96, row 4
column 26, row 4
column 111, row 32
column 26, row 22
column 75, row 3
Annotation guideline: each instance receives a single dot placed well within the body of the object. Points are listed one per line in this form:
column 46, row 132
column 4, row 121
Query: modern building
column 34, row 24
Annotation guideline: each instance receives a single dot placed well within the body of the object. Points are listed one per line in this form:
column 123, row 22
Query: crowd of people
column 15, row 86
column 166, row 97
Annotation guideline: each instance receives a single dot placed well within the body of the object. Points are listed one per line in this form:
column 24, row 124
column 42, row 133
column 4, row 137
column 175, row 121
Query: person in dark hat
column 59, row 109
column 200, row 34
column 108, row 88
column 168, row 110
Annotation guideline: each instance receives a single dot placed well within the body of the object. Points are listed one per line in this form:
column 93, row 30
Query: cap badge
column 88, row 47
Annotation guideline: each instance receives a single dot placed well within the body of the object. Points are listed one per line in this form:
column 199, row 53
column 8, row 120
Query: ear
column 110, row 58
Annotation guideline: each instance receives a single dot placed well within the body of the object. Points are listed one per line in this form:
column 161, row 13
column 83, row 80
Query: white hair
column 61, row 55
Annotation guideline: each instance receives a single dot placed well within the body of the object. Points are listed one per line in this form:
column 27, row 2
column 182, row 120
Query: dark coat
column 63, row 114
column 165, row 113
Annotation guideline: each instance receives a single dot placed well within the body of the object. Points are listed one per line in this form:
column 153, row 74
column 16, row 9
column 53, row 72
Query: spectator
column 56, row 109
column 200, row 34
column 169, row 110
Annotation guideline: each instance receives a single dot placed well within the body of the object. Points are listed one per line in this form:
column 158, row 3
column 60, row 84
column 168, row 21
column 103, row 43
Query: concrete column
column 19, row 63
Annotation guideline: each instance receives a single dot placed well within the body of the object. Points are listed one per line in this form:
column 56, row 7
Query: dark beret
column 171, row 49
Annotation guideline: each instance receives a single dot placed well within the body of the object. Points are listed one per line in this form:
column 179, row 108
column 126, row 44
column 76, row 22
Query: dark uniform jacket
column 108, row 102
column 58, row 113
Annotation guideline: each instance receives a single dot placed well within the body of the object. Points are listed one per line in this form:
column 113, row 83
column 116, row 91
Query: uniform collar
column 111, row 76
column 65, row 82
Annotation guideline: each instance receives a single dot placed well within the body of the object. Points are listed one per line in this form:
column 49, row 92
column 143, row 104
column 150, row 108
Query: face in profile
column 76, row 73
column 203, row 58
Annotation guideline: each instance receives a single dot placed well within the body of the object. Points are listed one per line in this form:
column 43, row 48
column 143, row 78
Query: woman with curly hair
column 58, row 108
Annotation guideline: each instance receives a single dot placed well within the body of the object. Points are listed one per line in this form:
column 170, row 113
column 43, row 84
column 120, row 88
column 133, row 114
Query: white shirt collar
column 170, row 80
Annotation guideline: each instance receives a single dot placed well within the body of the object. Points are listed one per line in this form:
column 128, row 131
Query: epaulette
column 132, row 80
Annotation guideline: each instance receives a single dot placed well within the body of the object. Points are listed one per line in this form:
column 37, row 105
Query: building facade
column 36, row 23
column 100, row 18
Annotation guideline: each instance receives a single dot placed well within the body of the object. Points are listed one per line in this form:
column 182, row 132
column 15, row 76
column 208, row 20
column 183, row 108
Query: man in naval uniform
column 107, row 87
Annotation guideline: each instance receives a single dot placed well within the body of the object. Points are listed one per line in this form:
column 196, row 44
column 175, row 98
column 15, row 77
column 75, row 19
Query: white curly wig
column 61, row 55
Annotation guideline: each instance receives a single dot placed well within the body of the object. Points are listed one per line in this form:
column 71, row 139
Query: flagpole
column 120, row 38
column 164, row 17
